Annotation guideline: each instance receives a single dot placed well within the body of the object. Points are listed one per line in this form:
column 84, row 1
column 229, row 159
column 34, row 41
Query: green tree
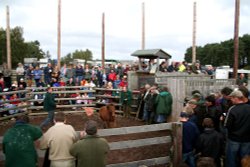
column 222, row 53
column 85, row 55
column 19, row 48
column 67, row 59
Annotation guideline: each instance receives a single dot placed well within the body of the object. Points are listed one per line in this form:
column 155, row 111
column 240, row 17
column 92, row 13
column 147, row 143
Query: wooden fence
column 97, row 94
column 182, row 86
column 170, row 143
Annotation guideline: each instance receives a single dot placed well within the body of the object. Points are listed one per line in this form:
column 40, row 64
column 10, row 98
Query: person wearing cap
column 238, row 130
column 91, row 150
column 18, row 143
column 49, row 105
column 22, row 82
column 57, row 136
column 190, row 134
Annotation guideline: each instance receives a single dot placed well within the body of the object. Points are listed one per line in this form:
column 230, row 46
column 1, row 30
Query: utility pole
column 194, row 34
column 103, row 40
column 143, row 26
column 59, row 35
column 236, row 38
column 8, row 38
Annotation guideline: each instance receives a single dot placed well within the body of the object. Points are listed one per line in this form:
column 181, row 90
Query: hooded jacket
column 163, row 103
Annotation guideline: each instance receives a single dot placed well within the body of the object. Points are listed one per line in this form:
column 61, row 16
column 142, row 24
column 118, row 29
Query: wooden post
column 177, row 143
column 103, row 41
column 236, row 38
column 194, row 34
column 59, row 35
column 9, row 65
column 143, row 27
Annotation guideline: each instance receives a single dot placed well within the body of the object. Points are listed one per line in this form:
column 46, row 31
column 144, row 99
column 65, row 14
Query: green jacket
column 91, row 151
column 126, row 97
column 164, row 103
column 18, row 145
column 49, row 102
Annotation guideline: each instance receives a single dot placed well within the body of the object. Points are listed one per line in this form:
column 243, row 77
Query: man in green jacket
column 126, row 100
column 163, row 104
column 49, row 105
column 92, row 150
column 18, row 144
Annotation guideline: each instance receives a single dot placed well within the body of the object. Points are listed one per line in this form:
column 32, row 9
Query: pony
column 107, row 114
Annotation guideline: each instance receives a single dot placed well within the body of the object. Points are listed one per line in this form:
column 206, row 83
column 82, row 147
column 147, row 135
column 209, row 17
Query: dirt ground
column 77, row 120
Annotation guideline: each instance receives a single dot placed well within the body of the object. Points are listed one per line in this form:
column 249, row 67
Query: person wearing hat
column 23, row 83
column 49, row 105
column 190, row 134
column 91, row 150
column 238, row 129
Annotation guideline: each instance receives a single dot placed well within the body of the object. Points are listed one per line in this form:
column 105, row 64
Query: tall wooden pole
column 194, row 34
column 236, row 38
column 103, row 40
column 59, row 35
column 143, row 26
column 8, row 38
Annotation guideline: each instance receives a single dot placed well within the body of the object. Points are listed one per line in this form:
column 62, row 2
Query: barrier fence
column 165, row 140
column 66, row 98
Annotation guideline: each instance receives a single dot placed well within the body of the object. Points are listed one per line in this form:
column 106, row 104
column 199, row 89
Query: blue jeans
column 161, row 118
column 49, row 119
column 145, row 112
column 235, row 151
column 189, row 158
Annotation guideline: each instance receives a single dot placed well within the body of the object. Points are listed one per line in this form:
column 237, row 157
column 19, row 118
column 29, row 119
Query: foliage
column 222, row 53
column 78, row 54
column 19, row 48
column 67, row 59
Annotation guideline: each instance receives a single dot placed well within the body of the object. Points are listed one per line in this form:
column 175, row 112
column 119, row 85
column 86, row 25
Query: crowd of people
column 64, row 146
column 217, row 126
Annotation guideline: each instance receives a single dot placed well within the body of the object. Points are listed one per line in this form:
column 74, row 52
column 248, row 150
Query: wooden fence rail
column 174, row 139
column 97, row 95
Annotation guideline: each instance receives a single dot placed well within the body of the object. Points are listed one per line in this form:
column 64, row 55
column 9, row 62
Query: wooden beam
column 194, row 34
column 103, row 41
column 236, row 38
column 9, row 65
column 59, row 36
column 143, row 26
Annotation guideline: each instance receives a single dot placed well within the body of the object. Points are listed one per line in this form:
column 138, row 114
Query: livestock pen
column 151, row 145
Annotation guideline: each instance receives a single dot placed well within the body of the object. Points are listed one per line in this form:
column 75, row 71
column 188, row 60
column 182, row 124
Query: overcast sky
column 168, row 24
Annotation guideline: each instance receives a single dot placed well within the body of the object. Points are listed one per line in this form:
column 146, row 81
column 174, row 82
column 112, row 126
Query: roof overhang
column 152, row 54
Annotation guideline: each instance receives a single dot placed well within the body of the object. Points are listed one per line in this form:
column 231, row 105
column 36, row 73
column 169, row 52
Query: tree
column 67, row 59
column 85, row 55
column 19, row 48
column 222, row 53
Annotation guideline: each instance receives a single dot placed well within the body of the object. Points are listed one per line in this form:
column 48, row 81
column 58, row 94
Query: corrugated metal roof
column 152, row 53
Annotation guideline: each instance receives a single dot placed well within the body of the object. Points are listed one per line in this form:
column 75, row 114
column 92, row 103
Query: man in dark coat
column 210, row 142
column 238, row 128
column 49, row 105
